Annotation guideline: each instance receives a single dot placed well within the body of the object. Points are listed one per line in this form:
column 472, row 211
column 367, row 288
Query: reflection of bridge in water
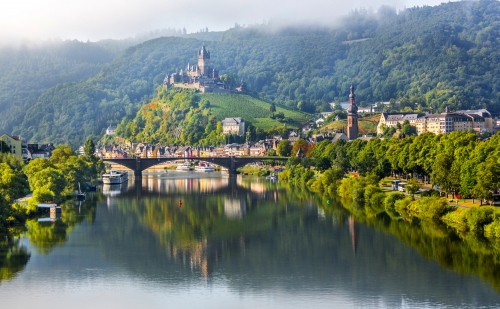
column 230, row 186
column 231, row 163
column 156, row 184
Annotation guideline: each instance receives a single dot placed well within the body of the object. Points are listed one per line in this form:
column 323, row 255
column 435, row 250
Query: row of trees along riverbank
column 54, row 179
column 458, row 162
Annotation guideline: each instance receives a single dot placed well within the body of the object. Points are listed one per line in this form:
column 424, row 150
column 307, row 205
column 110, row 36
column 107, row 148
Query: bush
column 457, row 219
column 432, row 207
column 371, row 190
column 354, row 188
column 493, row 230
column 358, row 194
column 477, row 218
column 377, row 200
column 430, row 193
column 285, row 175
column 391, row 199
column 402, row 206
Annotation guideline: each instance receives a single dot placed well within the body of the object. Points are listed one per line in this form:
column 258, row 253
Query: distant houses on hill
column 235, row 125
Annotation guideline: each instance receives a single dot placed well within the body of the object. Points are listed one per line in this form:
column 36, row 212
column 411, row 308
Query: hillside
column 253, row 110
column 440, row 56
column 187, row 117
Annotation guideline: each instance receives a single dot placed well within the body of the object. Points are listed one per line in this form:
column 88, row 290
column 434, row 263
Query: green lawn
column 252, row 110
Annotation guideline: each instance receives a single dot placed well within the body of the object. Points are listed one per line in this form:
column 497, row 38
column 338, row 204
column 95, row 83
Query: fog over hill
column 435, row 56
column 95, row 20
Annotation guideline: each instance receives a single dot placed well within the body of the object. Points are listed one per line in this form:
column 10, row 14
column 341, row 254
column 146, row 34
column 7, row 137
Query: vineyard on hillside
column 253, row 110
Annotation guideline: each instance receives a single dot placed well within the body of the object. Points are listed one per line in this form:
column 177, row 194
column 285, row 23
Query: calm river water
column 237, row 242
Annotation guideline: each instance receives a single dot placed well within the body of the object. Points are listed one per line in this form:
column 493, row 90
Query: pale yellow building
column 15, row 143
column 477, row 120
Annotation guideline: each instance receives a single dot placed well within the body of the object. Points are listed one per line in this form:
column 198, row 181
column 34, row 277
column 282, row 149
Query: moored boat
column 204, row 167
column 272, row 177
column 114, row 177
column 185, row 166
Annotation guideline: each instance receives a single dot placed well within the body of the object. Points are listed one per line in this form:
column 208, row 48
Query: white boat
column 114, row 177
column 186, row 166
column 272, row 177
column 204, row 167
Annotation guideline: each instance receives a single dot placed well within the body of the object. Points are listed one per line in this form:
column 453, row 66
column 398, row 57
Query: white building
column 110, row 130
column 234, row 125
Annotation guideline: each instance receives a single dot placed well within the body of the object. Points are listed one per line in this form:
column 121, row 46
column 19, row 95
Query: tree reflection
column 467, row 254
column 13, row 257
column 46, row 235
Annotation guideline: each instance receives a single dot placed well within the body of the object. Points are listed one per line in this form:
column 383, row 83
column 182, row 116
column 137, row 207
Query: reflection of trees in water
column 470, row 254
column 13, row 257
column 46, row 235
column 280, row 236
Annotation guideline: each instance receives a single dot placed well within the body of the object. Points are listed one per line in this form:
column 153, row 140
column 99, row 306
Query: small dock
column 55, row 210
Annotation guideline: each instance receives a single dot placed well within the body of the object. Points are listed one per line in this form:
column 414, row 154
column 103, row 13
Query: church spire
column 352, row 116
column 352, row 96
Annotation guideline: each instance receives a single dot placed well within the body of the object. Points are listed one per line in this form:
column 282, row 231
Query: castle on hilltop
column 202, row 77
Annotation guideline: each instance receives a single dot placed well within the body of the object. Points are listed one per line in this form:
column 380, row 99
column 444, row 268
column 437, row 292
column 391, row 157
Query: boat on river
column 204, row 167
column 80, row 195
column 185, row 166
column 272, row 177
column 114, row 177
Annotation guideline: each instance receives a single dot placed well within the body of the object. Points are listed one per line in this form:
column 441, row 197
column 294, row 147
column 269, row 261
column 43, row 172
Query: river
column 212, row 241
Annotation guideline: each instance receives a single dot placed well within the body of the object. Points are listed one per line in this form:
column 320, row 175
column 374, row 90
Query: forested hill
column 435, row 56
column 28, row 69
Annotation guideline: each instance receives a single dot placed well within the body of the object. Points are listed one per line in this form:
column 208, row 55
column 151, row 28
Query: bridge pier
column 138, row 170
column 232, row 168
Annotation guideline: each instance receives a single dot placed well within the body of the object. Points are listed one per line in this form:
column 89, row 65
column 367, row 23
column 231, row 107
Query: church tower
column 352, row 117
column 204, row 61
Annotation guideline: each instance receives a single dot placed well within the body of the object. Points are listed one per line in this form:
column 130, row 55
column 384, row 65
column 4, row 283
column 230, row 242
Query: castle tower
column 204, row 61
column 352, row 117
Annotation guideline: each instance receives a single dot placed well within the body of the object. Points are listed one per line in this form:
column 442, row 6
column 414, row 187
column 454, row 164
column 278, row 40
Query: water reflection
column 13, row 257
column 249, row 242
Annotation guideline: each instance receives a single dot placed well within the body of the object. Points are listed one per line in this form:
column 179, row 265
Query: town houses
column 142, row 150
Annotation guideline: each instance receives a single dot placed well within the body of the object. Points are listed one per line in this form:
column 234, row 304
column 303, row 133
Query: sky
column 103, row 19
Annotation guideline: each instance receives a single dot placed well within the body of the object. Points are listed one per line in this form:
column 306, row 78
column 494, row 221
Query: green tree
column 89, row 148
column 35, row 166
column 441, row 171
column 272, row 108
column 13, row 183
column 323, row 164
column 284, row 148
column 487, row 177
column 61, row 154
column 48, row 184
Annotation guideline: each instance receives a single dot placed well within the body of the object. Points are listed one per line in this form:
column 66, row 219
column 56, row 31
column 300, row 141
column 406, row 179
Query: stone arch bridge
column 231, row 163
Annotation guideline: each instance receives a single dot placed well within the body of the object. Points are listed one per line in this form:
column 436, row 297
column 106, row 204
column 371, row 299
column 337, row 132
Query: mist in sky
column 102, row 19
